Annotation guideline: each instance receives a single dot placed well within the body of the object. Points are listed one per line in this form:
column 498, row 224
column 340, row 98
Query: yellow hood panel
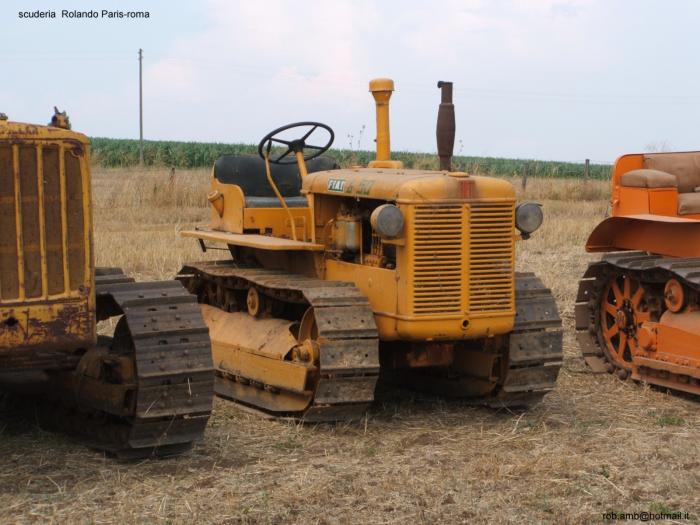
column 403, row 185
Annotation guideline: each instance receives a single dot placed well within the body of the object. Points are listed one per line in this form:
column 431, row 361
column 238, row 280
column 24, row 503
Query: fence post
column 525, row 174
column 587, row 170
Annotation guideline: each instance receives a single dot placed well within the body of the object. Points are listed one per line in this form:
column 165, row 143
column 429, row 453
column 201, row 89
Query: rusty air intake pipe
column 445, row 131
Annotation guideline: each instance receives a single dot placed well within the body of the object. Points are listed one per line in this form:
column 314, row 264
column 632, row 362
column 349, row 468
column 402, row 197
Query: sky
column 539, row 79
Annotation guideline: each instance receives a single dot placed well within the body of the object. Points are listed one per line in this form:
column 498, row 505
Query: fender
column 669, row 236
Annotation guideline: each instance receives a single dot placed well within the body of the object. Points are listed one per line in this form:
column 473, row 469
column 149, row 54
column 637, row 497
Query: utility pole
column 141, row 107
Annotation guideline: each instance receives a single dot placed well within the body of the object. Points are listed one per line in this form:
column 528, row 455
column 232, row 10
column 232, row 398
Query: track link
column 347, row 367
column 168, row 399
column 652, row 271
column 535, row 346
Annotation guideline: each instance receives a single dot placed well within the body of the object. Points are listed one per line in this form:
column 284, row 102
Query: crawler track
column 164, row 404
column 535, row 346
column 652, row 271
column 346, row 369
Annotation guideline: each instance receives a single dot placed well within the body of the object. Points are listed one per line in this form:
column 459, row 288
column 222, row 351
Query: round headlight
column 387, row 220
column 528, row 217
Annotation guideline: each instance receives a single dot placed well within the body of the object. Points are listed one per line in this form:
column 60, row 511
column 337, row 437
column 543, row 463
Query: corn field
column 122, row 153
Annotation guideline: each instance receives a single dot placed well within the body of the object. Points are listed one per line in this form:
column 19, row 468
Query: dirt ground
column 595, row 445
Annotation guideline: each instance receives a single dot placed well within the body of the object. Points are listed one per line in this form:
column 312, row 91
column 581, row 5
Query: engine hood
column 405, row 185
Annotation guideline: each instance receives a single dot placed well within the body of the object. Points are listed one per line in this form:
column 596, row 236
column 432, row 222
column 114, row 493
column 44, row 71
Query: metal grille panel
column 438, row 255
column 54, row 227
column 75, row 220
column 9, row 277
column 30, row 219
column 42, row 222
column 491, row 258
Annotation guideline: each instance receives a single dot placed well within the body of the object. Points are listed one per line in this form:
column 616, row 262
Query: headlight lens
column 528, row 217
column 387, row 221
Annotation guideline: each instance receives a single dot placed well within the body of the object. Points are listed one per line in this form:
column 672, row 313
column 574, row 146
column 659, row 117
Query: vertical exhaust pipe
column 445, row 131
column 381, row 89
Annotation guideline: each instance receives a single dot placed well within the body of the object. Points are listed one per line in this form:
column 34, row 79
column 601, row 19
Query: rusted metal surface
column 445, row 131
column 21, row 327
column 147, row 390
column 46, row 289
column 417, row 355
column 60, row 119
column 20, row 131
column 44, row 336
column 338, row 329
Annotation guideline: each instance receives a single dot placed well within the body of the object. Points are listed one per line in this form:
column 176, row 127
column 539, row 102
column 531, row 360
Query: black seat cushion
column 248, row 172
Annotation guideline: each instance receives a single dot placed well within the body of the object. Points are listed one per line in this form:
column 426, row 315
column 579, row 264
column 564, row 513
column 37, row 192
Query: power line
column 414, row 86
column 462, row 86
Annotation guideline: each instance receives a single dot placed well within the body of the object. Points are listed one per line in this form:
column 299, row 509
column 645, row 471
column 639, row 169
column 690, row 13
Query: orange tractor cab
column 638, row 309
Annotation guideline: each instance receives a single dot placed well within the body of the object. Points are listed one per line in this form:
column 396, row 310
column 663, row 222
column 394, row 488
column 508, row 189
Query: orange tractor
column 638, row 310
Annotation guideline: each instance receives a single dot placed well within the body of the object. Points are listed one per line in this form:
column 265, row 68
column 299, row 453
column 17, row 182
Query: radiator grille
column 29, row 212
column 438, row 255
column 9, row 274
column 42, row 221
column 491, row 264
column 52, row 211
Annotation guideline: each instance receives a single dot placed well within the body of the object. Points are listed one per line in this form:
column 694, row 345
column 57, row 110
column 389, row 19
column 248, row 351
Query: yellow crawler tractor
column 338, row 274
column 145, row 390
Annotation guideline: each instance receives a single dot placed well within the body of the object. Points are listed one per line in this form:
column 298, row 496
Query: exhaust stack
column 445, row 131
column 381, row 89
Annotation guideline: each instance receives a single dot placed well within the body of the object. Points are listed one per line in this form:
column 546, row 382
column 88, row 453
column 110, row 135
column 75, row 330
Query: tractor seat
column 688, row 203
column 248, row 172
column 685, row 167
column 647, row 178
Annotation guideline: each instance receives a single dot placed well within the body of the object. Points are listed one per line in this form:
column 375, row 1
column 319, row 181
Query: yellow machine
column 146, row 390
column 338, row 274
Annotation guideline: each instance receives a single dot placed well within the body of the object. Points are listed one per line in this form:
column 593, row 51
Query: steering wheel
column 294, row 146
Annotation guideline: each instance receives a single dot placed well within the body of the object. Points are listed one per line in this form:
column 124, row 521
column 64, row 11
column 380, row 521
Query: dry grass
column 138, row 215
column 594, row 445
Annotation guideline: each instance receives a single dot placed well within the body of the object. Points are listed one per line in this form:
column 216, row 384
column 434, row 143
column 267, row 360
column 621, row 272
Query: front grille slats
column 44, row 251
column 462, row 270
column 438, row 255
column 9, row 255
column 491, row 266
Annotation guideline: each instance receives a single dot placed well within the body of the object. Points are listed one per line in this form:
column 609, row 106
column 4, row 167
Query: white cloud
column 319, row 53
column 258, row 67
column 289, row 44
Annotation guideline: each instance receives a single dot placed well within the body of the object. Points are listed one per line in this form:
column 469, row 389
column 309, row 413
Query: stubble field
column 594, row 445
